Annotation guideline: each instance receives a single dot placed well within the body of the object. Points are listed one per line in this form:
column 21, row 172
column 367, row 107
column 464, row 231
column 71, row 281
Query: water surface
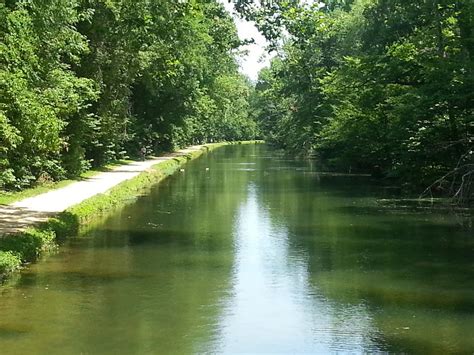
column 248, row 251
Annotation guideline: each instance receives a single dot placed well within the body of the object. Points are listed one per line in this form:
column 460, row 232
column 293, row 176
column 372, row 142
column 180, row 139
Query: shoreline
column 33, row 226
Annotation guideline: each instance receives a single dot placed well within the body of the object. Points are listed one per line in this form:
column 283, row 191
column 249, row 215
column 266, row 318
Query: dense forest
column 84, row 82
column 380, row 86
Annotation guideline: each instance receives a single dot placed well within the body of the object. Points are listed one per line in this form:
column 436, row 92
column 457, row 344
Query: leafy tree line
column 84, row 82
column 385, row 86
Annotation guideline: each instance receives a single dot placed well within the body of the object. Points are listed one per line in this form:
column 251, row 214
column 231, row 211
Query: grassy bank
column 7, row 197
column 25, row 247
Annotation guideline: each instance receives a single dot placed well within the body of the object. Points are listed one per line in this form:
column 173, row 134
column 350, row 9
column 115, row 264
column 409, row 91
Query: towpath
column 30, row 211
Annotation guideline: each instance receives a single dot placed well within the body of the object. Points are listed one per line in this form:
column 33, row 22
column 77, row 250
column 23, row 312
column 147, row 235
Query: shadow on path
column 16, row 219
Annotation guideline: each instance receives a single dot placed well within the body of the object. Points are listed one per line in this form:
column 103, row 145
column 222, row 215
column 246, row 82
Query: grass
column 7, row 197
column 126, row 191
column 27, row 246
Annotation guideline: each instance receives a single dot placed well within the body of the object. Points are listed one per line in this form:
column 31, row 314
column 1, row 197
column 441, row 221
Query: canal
column 249, row 251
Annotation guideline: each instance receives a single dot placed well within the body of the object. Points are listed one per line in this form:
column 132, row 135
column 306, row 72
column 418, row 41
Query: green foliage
column 86, row 82
column 382, row 86
column 39, row 89
column 28, row 245
column 63, row 225
column 9, row 262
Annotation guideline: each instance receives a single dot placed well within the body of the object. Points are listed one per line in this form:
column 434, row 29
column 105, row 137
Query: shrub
column 9, row 262
column 29, row 244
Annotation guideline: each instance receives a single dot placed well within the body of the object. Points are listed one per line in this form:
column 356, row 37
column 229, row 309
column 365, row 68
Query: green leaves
column 88, row 81
column 39, row 91
column 373, row 83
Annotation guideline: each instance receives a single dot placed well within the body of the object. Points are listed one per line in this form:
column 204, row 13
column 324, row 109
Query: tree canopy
column 384, row 86
column 84, row 82
column 373, row 85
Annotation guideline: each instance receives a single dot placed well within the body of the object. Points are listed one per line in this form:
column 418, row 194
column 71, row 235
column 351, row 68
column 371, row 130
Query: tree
column 375, row 85
column 84, row 82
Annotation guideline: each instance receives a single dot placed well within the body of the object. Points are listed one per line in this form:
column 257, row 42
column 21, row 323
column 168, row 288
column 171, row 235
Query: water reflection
column 273, row 307
column 416, row 263
column 250, row 251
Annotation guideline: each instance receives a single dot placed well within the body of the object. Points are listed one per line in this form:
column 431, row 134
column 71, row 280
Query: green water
column 256, row 254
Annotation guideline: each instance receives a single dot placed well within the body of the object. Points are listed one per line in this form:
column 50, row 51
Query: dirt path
column 22, row 214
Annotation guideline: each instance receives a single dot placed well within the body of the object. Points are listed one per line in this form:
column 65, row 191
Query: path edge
column 19, row 249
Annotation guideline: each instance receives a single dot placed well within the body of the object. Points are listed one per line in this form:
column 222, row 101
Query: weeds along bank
column 28, row 246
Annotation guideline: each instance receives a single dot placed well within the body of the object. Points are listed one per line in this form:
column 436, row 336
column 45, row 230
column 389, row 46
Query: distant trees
column 87, row 81
column 374, row 83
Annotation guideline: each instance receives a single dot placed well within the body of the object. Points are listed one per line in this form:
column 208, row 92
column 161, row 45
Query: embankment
column 28, row 244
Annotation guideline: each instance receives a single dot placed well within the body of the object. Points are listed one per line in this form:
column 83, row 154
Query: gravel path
column 22, row 214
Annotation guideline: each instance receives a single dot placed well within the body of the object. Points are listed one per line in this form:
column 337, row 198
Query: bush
column 29, row 244
column 9, row 262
